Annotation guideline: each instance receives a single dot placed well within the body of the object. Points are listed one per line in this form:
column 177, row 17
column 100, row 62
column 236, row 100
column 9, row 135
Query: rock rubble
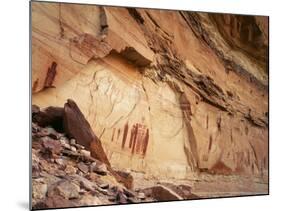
column 64, row 174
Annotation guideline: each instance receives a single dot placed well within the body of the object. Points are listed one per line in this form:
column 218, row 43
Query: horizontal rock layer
column 168, row 93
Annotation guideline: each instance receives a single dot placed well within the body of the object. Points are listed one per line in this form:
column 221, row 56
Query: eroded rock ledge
column 168, row 93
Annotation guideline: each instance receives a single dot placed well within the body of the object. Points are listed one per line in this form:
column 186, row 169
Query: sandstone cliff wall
column 168, row 93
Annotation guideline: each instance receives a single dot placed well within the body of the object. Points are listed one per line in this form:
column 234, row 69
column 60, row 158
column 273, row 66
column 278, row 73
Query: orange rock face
column 172, row 94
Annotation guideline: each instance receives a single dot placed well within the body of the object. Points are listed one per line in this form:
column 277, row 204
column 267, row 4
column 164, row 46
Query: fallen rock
column 72, row 118
column 109, row 179
column 55, row 201
column 99, row 168
column 124, row 178
column 73, row 179
column 103, row 185
column 132, row 200
column 60, row 162
column 51, row 116
column 183, row 190
column 72, row 141
column 81, row 137
column 112, row 198
column 84, row 183
column 62, row 180
column 85, row 152
column 57, row 172
column 77, row 156
column 83, row 167
column 35, row 164
column 92, row 176
column 129, row 193
column 65, row 142
column 35, row 128
column 78, row 146
column 51, row 132
column 64, row 188
column 90, row 200
column 141, row 195
column 39, row 189
column 103, row 191
column 35, row 109
column 162, row 193
column 48, row 178
column 73, row 149
column 121, row 198
column 70, row 169
column 50, row 147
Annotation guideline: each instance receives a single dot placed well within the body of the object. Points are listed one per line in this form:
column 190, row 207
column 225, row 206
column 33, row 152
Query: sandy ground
column 207, row 185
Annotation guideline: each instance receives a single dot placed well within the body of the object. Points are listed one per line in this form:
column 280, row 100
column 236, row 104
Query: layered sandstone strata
column 168, row 93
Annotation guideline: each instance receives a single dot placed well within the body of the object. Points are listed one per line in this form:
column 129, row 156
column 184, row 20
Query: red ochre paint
column 113, row 133
column 145, row 143
column 135, row 138
column 132, row 136
column 126, row 127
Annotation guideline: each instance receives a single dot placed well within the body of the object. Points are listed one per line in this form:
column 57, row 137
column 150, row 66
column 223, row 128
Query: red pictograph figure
column 145, row 142
column 113, row 133
column 132, row 137
column 139, row 138
column 135, row 128
column 126, row 128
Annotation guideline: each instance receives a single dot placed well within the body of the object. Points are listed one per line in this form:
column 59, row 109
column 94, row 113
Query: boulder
column 39, row 189
column 99, row 168
column 55, row 201
column 51, row 116
column 76, row 126
column 64, row 188
column 50, row 147
column 162, row 193
column 83, row 167
column 182, row 190
column 90, row 200
column 70, row 169
column 125, row 178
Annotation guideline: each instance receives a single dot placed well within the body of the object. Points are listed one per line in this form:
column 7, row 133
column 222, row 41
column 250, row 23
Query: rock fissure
column 167, row 95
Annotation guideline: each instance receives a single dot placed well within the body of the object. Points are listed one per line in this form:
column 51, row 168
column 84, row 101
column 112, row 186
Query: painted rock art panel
column 171, row 102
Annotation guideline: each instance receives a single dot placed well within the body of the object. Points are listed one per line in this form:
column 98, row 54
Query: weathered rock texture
column 65, row 175
column 168, row 93
column 76, row 126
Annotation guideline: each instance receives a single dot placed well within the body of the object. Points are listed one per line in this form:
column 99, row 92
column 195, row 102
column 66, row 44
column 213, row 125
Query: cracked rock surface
column 170, row 96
